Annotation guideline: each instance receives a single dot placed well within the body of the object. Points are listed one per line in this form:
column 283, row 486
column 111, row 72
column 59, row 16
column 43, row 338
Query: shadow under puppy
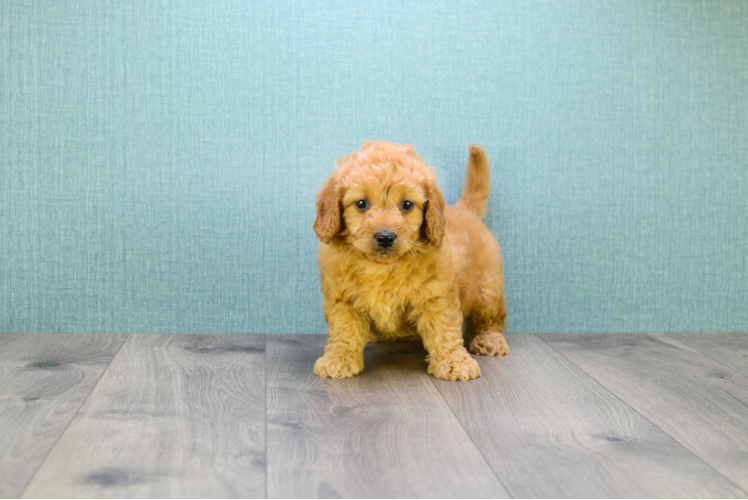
column 396, row 263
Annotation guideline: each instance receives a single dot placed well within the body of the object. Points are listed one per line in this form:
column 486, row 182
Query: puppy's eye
column 408, row 206
column 362, row 204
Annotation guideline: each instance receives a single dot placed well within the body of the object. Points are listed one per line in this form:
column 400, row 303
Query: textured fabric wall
column 159, row 159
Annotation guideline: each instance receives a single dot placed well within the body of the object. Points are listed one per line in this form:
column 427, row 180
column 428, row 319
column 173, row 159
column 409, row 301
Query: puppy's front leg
column 344, row 353
column 439, row 323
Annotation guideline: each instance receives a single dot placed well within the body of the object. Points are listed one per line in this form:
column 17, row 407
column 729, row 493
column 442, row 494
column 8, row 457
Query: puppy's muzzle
column 385, row 239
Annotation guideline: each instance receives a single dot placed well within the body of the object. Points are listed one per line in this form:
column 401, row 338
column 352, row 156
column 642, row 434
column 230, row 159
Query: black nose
column 385, row 239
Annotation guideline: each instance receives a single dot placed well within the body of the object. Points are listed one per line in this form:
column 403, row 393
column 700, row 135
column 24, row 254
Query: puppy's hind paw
column 489, row 344
column 457, row 365
column 338, row 366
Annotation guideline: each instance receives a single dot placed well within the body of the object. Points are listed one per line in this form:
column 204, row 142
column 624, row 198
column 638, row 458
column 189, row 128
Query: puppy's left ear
column 327, row 224
column 434, row 224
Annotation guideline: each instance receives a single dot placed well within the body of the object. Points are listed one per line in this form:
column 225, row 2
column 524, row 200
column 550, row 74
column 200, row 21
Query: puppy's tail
column 477, row 183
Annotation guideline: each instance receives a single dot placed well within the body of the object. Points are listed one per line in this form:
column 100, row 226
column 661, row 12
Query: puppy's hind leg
column 484, row 330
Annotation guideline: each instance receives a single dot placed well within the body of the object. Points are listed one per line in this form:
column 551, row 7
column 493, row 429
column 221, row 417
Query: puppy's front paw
column 338, row 365
column 457, row 365
column 489, row 344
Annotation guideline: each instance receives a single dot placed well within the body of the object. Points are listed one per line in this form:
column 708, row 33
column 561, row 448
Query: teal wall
column 159, row 159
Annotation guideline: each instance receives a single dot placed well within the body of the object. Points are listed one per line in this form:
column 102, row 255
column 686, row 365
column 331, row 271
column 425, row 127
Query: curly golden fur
column 443, row 267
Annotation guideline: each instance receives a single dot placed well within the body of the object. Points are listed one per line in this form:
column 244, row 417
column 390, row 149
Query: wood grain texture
column 44, row 379
column 700, row 402
column 385, row 433
column 728, row 348
column 173, row 416
column 549, row 430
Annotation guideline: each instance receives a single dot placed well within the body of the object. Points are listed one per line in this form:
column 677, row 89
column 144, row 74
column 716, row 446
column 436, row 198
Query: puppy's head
column 382, row 201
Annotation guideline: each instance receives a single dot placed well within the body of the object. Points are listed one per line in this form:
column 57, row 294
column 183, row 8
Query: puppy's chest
column 387, row 303
column 386, row 312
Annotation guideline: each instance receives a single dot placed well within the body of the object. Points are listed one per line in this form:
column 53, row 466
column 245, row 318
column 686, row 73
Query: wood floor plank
column 700, row 402
column 728, row 348
column 44, row 379
column 173, row 416
column 549, row 430
column 385, row 433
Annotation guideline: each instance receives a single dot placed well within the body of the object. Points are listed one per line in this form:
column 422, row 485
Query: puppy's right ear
column 327, row 224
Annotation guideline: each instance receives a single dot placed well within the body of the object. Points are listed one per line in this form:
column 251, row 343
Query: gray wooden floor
column 242, row 416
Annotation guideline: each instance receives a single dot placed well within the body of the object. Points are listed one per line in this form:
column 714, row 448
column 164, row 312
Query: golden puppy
column 395, row 262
